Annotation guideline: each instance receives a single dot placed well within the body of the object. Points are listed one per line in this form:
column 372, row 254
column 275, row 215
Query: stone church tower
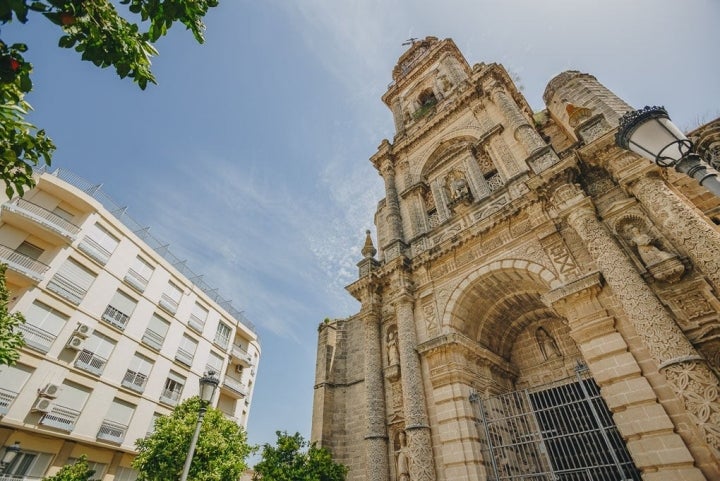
column 541, row 305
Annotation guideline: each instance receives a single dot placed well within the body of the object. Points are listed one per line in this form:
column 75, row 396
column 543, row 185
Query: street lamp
column 11, row 453
column 650, row 133
column 208, row 384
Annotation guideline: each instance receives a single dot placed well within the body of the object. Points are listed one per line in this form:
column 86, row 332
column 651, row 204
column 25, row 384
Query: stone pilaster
column 417, row 427
column 376, row 450
column 685, row 370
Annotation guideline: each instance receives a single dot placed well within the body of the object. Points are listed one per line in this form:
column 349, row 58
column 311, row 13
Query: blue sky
column 251, row 155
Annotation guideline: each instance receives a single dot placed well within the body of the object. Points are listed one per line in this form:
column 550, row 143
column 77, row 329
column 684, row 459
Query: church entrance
column 557, row 432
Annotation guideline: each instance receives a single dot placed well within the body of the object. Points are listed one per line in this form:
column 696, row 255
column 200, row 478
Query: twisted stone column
column 682, row 224
column 686, row 371
column 522, row 130
column 478, row 184
column 417, row 428
column 376, row 452
column 394, row 221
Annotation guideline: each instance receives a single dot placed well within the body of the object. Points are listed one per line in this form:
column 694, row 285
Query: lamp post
column 208, row 384
column 650, row 133
column 11, row 453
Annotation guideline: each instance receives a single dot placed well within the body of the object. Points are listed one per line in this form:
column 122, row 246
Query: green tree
column 78, row 471
column 220, row 455
column 11, row 340
column 103, row 36
column 294, row 459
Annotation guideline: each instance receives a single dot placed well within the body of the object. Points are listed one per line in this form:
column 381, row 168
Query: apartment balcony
column 67, row 289
column 23, row 265
column 168, row 304
column 234, row 388
column 94, row 250
column 170, row 397
column 135, row 381
column 115, row 317
column 153, row 339
column 36, row 338
column 221, row 341
column 136, row 281
column 196, row 324
column 185, row 357
column 6, row 399
column 112, row 431
column 241, row 355
column 90, row 362
column 61, row 417
column 39, row 221
column 13, row 477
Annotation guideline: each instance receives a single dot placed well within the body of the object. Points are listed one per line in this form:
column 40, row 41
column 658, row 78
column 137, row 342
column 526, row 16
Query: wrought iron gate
column 559, row 432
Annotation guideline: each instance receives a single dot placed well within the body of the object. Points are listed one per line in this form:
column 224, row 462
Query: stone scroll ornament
column 686, row 371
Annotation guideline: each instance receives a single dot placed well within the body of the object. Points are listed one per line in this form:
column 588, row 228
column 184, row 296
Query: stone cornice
column 469, row 348
column 592, row 281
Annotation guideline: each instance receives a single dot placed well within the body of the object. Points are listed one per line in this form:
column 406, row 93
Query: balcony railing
column 184, row 356
column 136, row 281
column 36, row 338
column 14, row 477
column 241, row 354
column 135, row 380
column 44, row 217
column 61, row 417
column 66, row 289
column 235, row 385
column 170, row 397
column 168, row 304
column 91, row 247
column 6, row 399
column 23, row 264
column 90, row 362
column 153, row 339
column 115, row 317
column 221, row 340
column 196, row 323
column 112, row 431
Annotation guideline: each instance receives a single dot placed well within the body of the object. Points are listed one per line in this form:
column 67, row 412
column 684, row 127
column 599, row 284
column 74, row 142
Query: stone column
column 417, row 428
column 478, row 184
column 392, row 204
column 376, row 450
column 522, row 130
column 682, row 224
column 398, row 116
column 685, row 370
column 441, row 200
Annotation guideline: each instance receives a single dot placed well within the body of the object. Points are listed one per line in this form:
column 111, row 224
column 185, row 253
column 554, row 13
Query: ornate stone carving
column 546, row 343
column 664, row 266
column 402, row 459
column 430, row 321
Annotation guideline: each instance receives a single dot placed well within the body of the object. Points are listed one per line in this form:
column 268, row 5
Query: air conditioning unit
column 238, row 369
column 75, row 343
column 82, row 330
column 50, row 391
column 42, row 405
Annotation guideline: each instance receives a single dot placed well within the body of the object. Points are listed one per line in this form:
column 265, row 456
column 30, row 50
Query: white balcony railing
column 136, row 281
column 115, row 317
column 241, row 354
column 66, row 289
column 183, row 356
column 134, row 380
column 90, row 362
column 112, row 431
column 153, row 339
column 169, row 396
column 221, row 340
column 61, row 417
column 44, row 217
column 91, row 247
column 6, row 399
column 23, row 264
column 235, row 385
column 36, row 338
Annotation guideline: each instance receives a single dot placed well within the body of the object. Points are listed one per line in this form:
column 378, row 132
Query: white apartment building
column 118, row 332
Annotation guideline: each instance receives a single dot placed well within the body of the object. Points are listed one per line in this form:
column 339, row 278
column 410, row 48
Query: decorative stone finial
column 368, row 249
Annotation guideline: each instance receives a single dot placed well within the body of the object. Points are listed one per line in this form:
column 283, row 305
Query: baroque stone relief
column 662, row 264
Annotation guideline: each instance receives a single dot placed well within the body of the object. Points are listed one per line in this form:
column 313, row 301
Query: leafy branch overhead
column 102, row 35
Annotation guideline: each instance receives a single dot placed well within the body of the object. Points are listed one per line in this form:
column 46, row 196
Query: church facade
column 541, row 304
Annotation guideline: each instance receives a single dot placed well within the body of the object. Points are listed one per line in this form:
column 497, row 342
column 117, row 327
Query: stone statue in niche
column 403, row 459
column 457, row 186
column 393, row 354
column 662, row 265
column 442, row 84
column 546, row 343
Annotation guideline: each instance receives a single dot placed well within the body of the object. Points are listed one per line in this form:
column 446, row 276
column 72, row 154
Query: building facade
column 115, row 335
column 541, row 304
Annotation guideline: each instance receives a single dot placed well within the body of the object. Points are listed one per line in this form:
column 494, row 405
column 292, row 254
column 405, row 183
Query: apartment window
column 28, row 465
column 155, row 332
column 13, row 380
column 214, row 363
column 139, row 274
column 222, row 335
column 138, row 372
column 99, row 468
column 116, row 422
column 170, row 298
column 95, row 352
column 186, row 350
column 125, row 474
column 119, row 310
column 173, row 388
column 29, row 250
column 42, row 326
column 99, row 244
column 198, row 317
column 62, row 213
column 71, row 281
column 151, row 428
column 65, row 410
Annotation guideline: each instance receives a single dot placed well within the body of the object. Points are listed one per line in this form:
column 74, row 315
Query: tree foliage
column 11, row 340
column 294, row 459
column 220, row 455
column 101, row 35
column 78, row 471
